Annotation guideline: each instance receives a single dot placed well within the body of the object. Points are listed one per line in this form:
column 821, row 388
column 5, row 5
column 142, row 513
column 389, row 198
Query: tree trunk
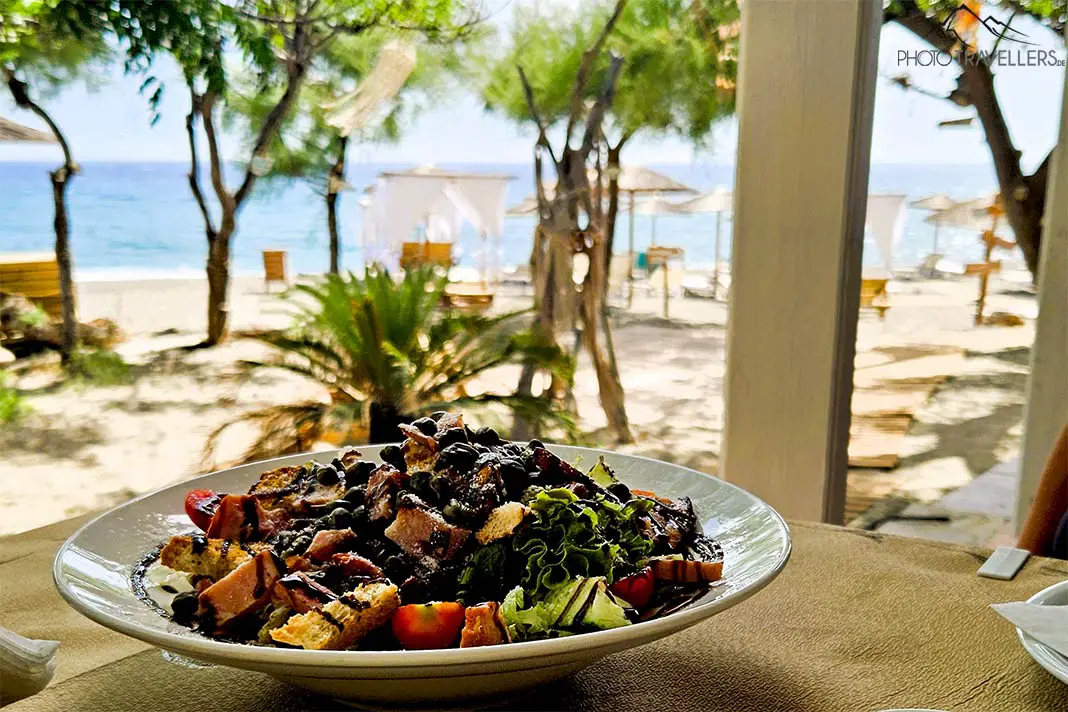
column 384, row 424
column 612, row 166
column 333, row 188
column 218, row 269
column 1023, row 196
column 60, row 180
column 610, row 388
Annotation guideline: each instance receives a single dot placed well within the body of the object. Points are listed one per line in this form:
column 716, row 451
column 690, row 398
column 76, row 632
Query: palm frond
column 378, row 339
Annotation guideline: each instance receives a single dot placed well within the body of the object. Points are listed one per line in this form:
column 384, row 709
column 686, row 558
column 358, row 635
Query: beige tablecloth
column 858, row 622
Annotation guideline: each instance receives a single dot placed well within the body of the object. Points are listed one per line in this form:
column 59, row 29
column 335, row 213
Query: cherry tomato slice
column 200, row 506
column 636, row 589
column 428, row 626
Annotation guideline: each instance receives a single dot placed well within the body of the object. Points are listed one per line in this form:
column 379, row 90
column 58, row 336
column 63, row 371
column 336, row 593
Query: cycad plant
column 388, row 353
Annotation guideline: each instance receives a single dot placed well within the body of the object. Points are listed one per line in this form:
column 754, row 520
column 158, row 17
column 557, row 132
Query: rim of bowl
column 1048, row 658
column 193, row 645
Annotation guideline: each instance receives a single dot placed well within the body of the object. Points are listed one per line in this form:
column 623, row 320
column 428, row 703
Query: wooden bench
column 415, row 254
column 34, row 275
column 274, row 268
column 873, row 295
column 467, row 297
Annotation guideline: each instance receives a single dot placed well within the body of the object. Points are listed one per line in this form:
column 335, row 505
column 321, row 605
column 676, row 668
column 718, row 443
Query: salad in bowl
column 456, row 538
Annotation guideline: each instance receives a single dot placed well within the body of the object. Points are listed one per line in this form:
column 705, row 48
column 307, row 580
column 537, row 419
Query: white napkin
column 26, row 666
column 1046, row 624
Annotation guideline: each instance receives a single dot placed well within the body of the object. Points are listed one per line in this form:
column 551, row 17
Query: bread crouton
column 681, row 571
column 275, row 484
column 243, row 591
column 503, row 521
column 483, row 626
column 339, row 624
column 198, row 555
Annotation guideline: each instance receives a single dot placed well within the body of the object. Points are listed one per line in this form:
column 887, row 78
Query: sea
column 139, row 220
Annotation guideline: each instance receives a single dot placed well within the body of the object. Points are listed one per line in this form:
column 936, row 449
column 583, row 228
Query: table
column 857, row 622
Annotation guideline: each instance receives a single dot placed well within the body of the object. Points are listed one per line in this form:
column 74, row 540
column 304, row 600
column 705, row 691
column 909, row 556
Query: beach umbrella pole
column 715, row 270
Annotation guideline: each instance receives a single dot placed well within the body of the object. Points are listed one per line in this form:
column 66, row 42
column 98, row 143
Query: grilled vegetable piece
column 200, row 506
column 503, row 522
column 201, row 556
column 355, row 565
column 420, row 450
column 328, row 542
column 297, row 487
column 636, row 589
column 682, row 571
column 428, row 626
column 382, row 489
column 301, row 593
column 341, row 623
column 277, row 487
column 244, row 590
column 423, row 533
column 242, row 517
column 483, row 625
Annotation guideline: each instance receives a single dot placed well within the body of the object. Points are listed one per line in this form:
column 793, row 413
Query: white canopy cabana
column 886, row 219
column 428, row 204
column 718, row 201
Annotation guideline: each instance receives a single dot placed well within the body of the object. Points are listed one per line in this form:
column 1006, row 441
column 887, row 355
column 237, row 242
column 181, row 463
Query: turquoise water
column 137, row 220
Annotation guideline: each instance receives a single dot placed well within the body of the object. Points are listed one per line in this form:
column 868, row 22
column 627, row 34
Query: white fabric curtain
column 484, row 203
column 886, row 220
column 403, row 204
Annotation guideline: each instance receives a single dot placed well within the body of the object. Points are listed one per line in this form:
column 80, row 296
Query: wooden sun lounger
column 274, row 267
column 414, row 254
column 34, row 275
column 873, row 295
column 467, row 297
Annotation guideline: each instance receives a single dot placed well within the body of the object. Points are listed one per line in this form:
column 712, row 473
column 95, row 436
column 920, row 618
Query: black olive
column 337, row 464
column 487, row 436
column 184, row 606
column 621, row 491
column 341, row 517
column 452, row 435
column 356, row 495
column 327, row 475
column 440, row 486
column 438, row 415
column 535, row 444
column 301, row 544
column 459, row 455
column 360, row 471
column 418, row 481
column 392, row 455
column 359, row 513
column 428, row 426
column 515, row 477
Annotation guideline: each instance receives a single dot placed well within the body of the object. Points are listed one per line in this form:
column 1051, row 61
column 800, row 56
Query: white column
column 805, row 100
column 1047, row 399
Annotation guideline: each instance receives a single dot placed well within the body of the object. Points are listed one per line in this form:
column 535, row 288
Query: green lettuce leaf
column 578, row 605
column 602, row 474
column 483, row 574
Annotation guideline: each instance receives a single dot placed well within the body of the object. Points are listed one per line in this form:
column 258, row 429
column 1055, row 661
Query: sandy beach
column 84, row 447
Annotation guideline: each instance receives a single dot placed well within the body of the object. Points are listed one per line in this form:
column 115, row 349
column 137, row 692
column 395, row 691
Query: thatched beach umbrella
column 17, row 133
column 936, row 203
column 717, row 201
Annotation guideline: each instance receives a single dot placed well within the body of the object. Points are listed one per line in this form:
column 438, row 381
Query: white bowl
column 92, row 571
column 1055, row 663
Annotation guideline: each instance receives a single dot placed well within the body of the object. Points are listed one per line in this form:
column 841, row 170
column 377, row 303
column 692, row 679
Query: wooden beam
column 1047, row 400
column 805, row 104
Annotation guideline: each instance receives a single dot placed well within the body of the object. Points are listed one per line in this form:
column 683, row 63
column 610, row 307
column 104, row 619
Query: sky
column 111, row 121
